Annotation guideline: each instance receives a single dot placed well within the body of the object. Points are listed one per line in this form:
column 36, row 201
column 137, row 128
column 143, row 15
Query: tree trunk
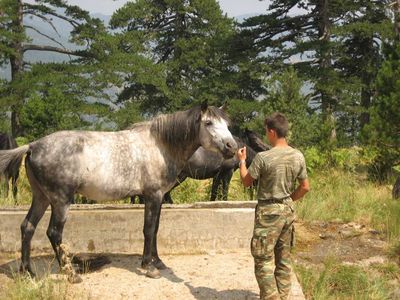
column 324, row 34
column 366, row 95
column 396, row 189
column 16, row 62
column 396, row 11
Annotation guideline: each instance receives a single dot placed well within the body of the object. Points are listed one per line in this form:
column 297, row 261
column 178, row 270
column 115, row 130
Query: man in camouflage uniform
column 277, row 170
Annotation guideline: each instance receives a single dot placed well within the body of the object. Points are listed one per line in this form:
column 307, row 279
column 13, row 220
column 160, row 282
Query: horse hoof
column 27, row 271
column 153, row 272
column 159, row 265
column 74, row 278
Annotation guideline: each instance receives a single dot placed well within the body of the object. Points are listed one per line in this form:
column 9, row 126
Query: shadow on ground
column 205, row 293
column 85, row 263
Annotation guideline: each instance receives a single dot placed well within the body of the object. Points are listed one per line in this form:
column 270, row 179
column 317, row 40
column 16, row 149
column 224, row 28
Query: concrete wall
column 198, row 228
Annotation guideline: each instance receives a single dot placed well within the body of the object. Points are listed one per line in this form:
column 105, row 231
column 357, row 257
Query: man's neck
column 281, row 143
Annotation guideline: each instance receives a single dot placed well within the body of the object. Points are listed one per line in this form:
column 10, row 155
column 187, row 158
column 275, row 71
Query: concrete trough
column 204, row 227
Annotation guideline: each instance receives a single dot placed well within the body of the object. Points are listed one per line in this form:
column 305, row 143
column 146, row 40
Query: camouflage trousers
column 270, row 247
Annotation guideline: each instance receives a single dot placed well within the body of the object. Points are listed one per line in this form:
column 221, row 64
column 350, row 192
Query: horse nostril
column 228, row 145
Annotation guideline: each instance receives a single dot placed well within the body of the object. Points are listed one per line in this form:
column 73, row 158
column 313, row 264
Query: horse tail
column 8, row 158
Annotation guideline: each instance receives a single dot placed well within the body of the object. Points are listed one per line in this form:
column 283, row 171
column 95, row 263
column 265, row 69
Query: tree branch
column 43, row 18
column 29, row 47
column 45, row 35
column 47, row 10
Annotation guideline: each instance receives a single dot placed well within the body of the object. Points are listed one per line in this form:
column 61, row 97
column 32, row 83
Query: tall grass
column 27, row 288
column 348, row 196
column 192, row 190
column 336, row 281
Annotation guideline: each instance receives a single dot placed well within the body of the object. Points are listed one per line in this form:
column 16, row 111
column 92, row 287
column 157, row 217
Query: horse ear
column 204, row 106
column 224, row 106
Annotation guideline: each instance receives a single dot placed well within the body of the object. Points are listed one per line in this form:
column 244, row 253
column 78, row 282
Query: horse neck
column 249, row 150
column 179, row 133
column 250, row 155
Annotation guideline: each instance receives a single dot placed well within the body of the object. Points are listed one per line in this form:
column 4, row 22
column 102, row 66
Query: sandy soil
column 206, row 276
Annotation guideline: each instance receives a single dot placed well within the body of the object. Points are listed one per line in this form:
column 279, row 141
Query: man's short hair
column 279, row 123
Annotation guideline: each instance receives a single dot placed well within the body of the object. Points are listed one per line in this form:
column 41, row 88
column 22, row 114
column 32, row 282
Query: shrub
column 315, row 159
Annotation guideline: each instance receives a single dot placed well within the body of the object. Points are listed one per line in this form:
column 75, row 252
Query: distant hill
column 61, row 35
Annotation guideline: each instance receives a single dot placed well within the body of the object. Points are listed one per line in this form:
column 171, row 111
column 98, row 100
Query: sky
column 232, row 7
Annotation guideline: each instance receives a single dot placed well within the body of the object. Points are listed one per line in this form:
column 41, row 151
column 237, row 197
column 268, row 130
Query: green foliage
column 325, row 43
column 4, row 122
column 389, row 270
column 348, row 159
column 284, row 94
column 383, row 131
column 27, row 82
column 315, row 159
column 21, row 140
column 394, row 253
column 192, row 41
column 185, row 191
column 127, row 115
column 243, row 114
column 42, row 116
column 341, row 195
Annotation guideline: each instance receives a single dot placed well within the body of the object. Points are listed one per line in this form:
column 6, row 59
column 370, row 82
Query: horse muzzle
column 230, row 149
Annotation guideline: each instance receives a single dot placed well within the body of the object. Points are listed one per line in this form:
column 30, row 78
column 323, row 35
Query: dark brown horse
column 12, row 171
column 205, row 164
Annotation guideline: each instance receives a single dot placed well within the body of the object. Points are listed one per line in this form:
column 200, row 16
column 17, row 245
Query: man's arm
column 245, row 176
column 301, row 190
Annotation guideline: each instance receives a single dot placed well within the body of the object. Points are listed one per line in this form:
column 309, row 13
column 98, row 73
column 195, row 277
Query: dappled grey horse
column 12, row 171
column 144, row 160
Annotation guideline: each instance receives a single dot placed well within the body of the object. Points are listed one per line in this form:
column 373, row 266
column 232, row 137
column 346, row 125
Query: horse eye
column 208, row 123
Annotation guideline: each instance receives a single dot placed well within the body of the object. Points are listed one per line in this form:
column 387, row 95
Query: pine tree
column 15, row 43
column 326, row 41
column 193, row 44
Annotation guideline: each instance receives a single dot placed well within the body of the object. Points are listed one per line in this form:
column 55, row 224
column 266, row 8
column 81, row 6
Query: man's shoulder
column 297, row 152
column 288, row 153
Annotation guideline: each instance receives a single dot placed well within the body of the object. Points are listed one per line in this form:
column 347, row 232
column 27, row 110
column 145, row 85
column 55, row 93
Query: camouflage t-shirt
column 277, row 170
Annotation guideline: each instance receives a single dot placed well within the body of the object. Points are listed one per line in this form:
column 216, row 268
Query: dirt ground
column 209, row 276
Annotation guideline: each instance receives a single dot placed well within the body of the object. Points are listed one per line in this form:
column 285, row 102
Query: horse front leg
column 157, row 262
column 151, row 214
column 215, row 185
column 226, row 179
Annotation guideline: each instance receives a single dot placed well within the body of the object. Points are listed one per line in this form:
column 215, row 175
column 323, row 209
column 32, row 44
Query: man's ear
column 204, row 106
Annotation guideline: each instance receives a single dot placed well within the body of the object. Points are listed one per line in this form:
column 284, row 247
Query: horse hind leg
column 59, row 212
column 28, row 227
column 14, row 186
column 5, row 184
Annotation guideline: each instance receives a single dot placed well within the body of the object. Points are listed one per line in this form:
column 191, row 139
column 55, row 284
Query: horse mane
column 182, row 126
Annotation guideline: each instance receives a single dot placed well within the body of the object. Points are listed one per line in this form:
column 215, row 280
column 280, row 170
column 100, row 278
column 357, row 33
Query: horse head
column 214, row 133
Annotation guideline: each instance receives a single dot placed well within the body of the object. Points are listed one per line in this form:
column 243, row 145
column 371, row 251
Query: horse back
column 100, row 165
